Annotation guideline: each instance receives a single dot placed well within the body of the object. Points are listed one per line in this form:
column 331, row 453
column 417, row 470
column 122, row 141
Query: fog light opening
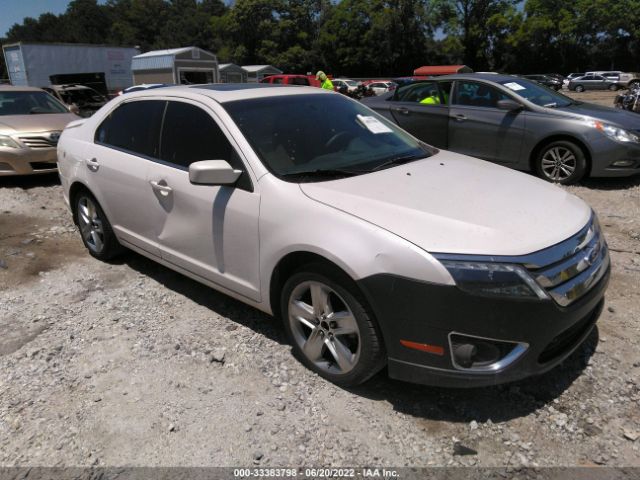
column 623, row 163
column 483, row 354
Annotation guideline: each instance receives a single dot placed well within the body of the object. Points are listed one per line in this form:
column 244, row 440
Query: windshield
column 351, row 83
column 25, row 103
column 80, row 96
column 536, row 93
column 298, row 135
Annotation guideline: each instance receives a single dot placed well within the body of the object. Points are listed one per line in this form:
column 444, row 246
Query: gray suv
column 517, row 123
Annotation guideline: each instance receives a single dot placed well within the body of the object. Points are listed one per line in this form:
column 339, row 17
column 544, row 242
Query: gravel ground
column 131, row 364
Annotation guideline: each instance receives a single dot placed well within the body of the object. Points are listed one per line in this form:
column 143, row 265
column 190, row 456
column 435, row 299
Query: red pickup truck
column 309, row 80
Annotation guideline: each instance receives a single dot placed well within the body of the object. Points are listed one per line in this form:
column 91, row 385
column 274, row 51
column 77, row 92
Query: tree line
column 362, row 37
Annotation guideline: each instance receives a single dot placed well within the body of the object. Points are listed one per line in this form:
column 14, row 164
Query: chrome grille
column 43, row 140
column 569, row 270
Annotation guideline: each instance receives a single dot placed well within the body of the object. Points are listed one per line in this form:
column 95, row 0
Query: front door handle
column 92, row 164
column 402, row 110
column 163, row 188
column 459, row 117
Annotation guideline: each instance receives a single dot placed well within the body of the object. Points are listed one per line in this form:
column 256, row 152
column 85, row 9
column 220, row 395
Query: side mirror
column 73, row 108
column 509, row 105
column 213, row 172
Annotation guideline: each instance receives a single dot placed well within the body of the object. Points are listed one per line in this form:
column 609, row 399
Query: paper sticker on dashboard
column 514, row 86
column 373, row 124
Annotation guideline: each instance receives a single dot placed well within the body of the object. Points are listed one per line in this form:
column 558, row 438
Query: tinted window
column 425, row 92
column 299, row 81
column 133, row 126
column 189, row 134
column 277, row 80
column 477, row 95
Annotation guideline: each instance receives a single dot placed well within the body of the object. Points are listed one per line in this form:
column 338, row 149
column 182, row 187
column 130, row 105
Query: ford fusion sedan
column 372, row 247
column 31, row 121
column 519, row 124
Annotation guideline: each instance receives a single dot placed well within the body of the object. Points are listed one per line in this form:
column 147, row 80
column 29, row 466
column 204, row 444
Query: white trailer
column 34, row 64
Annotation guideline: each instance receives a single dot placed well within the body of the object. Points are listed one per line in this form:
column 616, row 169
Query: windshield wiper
column 321, row 172
column 551, row 105
column 399, row 160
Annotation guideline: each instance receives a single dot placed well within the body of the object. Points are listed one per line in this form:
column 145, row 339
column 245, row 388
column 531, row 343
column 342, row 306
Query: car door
column 125, row 145
column 425, row 121
column 211, row 231
column 477, row 127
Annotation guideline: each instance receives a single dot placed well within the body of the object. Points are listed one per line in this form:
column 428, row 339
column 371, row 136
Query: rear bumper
column 429, row 314
column 27, row 161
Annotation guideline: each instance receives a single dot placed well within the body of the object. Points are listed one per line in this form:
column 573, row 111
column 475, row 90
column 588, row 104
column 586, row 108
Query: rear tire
column 613, row 87
column 95, row 229
column 561, row 162
column 329, row 327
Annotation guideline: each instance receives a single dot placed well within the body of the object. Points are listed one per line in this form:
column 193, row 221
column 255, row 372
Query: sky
column 14, row 11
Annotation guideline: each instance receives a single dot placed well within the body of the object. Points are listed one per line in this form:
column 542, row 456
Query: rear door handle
column 159, row 187
column 92, row 164
column 402, row 110
column 459, row 117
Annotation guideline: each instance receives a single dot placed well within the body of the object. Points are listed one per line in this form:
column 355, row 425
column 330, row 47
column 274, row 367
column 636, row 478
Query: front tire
column 579, row 88
column 613, row 87
column 95, row 229
column 561, row 162
column 329, row 326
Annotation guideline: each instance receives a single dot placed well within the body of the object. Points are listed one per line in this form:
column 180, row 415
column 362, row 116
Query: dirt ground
column 132, row 364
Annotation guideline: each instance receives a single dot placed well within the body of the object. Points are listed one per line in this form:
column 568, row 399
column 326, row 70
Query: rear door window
column 133, row 127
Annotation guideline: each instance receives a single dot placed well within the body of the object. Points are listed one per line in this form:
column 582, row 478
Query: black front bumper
column 427, row 313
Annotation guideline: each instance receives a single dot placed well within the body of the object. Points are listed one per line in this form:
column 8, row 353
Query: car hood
column 619, row 117
column 450, row 203
column 44, row 122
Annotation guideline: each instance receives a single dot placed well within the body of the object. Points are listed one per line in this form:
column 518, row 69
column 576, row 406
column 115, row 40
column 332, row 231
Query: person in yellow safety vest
column 432, row 99
column 326, row 83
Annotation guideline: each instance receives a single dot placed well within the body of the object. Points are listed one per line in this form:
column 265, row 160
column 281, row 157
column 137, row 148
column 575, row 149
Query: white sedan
column 373, row 248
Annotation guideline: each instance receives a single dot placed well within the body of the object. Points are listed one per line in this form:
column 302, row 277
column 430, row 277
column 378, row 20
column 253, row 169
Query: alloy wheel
column 90, row 224
column 558, row 163
column 324, row 327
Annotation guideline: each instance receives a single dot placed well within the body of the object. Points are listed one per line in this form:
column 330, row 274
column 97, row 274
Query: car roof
column 229, row 92
column 13, row 88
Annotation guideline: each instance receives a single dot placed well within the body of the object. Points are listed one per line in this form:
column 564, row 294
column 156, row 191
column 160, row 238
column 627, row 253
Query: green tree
column 470, row 25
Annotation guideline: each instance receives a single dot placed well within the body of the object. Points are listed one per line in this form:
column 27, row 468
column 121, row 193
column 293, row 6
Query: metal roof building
column 232, row 73
column 186, row 65
column 255, row 73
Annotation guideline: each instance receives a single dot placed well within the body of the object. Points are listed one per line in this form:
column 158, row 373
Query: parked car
column 545, row 80
column 381, row 86
column 80, row 99
column 517, row 123
column 612, row 75
column 592, row 81
column 571, row 76
column 30, row 124
column 374, row 248
column 350, row 85
column 305, row 80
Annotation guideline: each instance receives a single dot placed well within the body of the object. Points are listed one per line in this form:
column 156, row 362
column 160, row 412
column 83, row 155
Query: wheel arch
column 533, row 156
column 74, row 190
column 288, row 265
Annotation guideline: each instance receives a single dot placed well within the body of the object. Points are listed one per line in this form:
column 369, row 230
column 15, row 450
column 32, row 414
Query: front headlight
column 494, row 279
column 6, row 141
column 619, row 134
